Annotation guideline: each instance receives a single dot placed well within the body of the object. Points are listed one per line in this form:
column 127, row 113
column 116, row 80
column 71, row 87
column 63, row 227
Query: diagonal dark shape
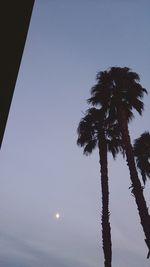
column 14, row 20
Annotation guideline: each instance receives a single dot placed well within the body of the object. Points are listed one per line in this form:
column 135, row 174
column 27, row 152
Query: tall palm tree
column 118, row 92
column 142, row 155
column 93, row 131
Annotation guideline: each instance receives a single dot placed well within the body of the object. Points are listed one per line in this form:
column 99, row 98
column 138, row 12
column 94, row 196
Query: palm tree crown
column 117, row 85
column 142, row 155
column 90, row 129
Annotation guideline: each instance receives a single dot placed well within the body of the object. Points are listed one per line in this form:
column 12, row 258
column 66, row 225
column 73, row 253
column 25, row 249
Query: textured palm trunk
column 106, row 229
column 136, row 184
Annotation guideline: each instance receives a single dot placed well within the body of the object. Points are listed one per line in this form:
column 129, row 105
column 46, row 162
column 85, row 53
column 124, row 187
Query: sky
column 42, row 171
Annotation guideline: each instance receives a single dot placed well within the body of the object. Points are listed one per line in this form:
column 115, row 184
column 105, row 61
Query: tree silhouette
column 142, row 155
column 118, row 92
column 94, row 130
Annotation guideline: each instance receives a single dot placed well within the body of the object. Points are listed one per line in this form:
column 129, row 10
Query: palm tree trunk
column 106, row 229
column 136, row 184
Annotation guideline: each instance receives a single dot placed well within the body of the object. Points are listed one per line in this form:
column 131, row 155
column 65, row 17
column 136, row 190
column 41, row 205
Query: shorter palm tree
column 94, row 131
column 142, row 155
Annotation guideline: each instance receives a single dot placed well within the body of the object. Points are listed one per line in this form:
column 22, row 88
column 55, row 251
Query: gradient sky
column 42, row 171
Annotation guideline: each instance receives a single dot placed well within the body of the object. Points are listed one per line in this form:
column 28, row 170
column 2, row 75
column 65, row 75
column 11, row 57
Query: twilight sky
column 42, row 171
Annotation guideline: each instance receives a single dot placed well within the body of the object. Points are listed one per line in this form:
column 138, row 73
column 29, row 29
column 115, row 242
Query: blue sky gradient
column 42, row 171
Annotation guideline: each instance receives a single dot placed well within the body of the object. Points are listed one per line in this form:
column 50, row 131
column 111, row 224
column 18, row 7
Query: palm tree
column 142, row 155
column 118, row 92
column 93, row 131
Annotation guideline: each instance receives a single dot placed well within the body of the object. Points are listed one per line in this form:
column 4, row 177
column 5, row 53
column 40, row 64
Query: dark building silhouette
column 14, row 20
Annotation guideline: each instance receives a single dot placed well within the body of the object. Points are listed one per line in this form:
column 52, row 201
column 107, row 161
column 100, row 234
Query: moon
column 57, row 215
